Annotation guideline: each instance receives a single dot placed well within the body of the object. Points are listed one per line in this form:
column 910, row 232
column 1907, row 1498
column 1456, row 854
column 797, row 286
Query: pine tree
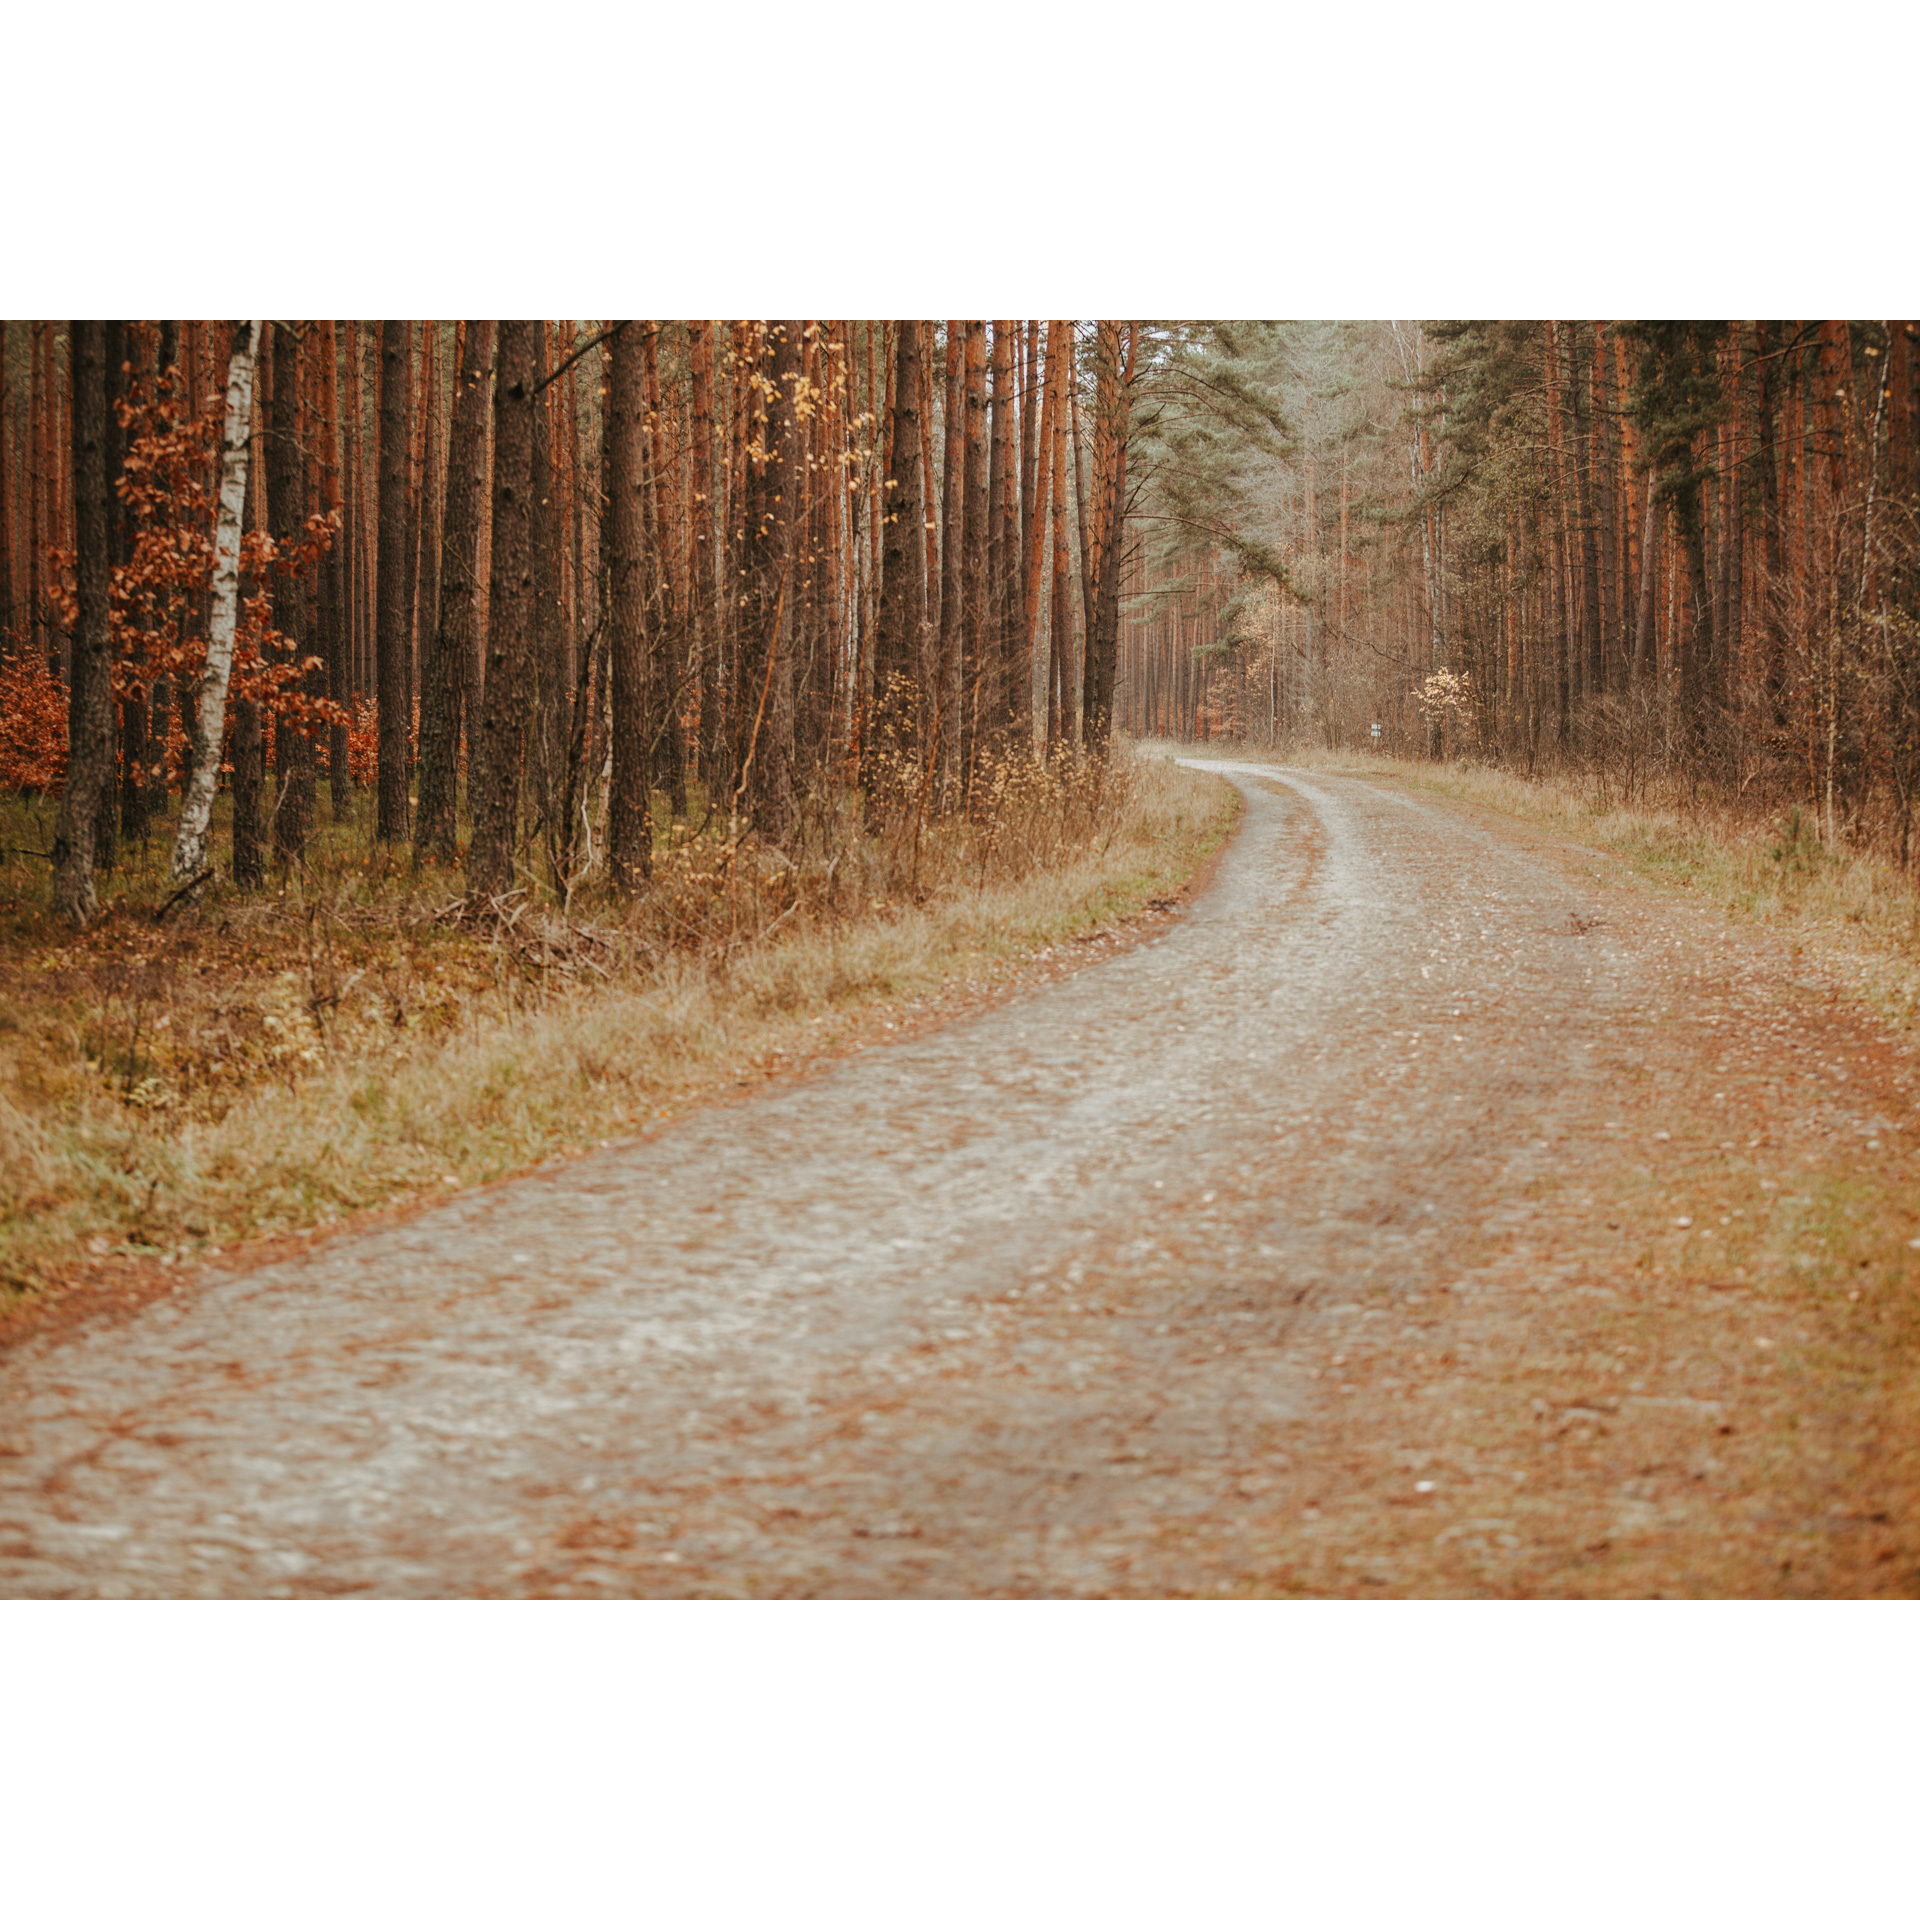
column 89, row 740
column 898, row 637
column 629, row 824
column 393, row 630
column 497, row 748
column 450, row 649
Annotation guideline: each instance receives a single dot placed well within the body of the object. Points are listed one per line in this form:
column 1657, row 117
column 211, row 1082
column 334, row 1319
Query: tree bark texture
column 286, row 520
column 510, row 589
column 393, row 628
column 89, row 707
column 452, row 635
column 898, row 636
column 629, row 822
column 190, row 842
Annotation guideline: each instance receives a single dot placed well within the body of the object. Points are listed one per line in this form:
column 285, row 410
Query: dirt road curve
column 1325, row 1244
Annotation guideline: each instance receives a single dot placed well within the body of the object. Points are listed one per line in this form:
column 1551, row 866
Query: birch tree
column 190, row 844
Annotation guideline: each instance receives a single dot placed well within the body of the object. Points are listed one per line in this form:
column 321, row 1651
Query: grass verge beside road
column 1848, row 912
column 258, row 1065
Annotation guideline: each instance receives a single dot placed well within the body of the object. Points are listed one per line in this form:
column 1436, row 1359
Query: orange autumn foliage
column 154, row 600
column 33, row 726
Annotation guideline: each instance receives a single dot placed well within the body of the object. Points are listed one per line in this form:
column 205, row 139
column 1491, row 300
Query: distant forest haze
column 505, row 592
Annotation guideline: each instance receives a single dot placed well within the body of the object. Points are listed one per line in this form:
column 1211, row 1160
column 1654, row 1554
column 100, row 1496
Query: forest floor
column 1435, row 1207
column 186, row 1081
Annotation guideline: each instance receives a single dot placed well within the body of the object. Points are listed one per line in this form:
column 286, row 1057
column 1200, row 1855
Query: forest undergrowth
column 179, row 1079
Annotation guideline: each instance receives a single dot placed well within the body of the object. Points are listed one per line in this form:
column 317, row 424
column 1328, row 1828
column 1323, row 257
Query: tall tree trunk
column 1773, row 630
column 1038, row 444
column 160, row 711
column 1696, row 663
column 898, row 635
column 1115, row 362
column 450, row 648
column 1061, row 712
column 286, row 521
column 1590, row 602
column 196, row 808
column 432, row 510
column 953, row 516
column 549, row 679
column 977, row 648
column 416, row 465
column 393, row 631
column 667, row 596
column 353, row 537
column 90, row 693
column 704, row 554
column 1033, row 444
column 1556, row 538
column 336, row 615
column 1083, row 524
column 9, row 613
column 40, row 457
column 124, row 813
column 247, row 749
column 1003, row 540
column 496, row 755
column 767, row 649
column 106, row 834
column 928, row 667
column 629, row 825
column 1606, row 498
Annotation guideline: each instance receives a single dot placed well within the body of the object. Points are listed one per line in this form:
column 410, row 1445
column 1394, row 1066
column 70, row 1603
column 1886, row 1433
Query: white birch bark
column 190, row 845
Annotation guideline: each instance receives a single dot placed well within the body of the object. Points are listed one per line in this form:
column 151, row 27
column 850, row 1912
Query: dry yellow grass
column 1847, row 911
column 258, row 1067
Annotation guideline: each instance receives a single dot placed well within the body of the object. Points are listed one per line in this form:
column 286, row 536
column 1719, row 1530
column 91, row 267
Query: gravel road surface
column 1291, row 1251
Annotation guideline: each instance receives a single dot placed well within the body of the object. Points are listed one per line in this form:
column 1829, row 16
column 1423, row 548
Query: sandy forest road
column 1326, row 1244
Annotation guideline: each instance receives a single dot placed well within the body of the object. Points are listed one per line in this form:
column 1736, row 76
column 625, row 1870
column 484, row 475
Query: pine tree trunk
column 894, row 724
column 741, row 485
column 1061, row 706
column 9, row 613
column 247, row 748
column 929, row 668
column 393, row 628
column 767, row 639
column 666, row 597
column 286, row 520
column 497, row 747
column 947, row 718
column 432, row 511
column 1036, row 451
column 134, row 750
column 1606, row 499
column 335, row 613
column 705, row 555
column 1114, row 372
column 1033, row 442
column 1556, row 539
column 1590, row 602
column 452, row 635
column 1003, row 541
column 1083, row 525
column 629, row 825
column 347, row 445
column 39, row 455
column 89, row 709
column 410, row 590
column 976, row 649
